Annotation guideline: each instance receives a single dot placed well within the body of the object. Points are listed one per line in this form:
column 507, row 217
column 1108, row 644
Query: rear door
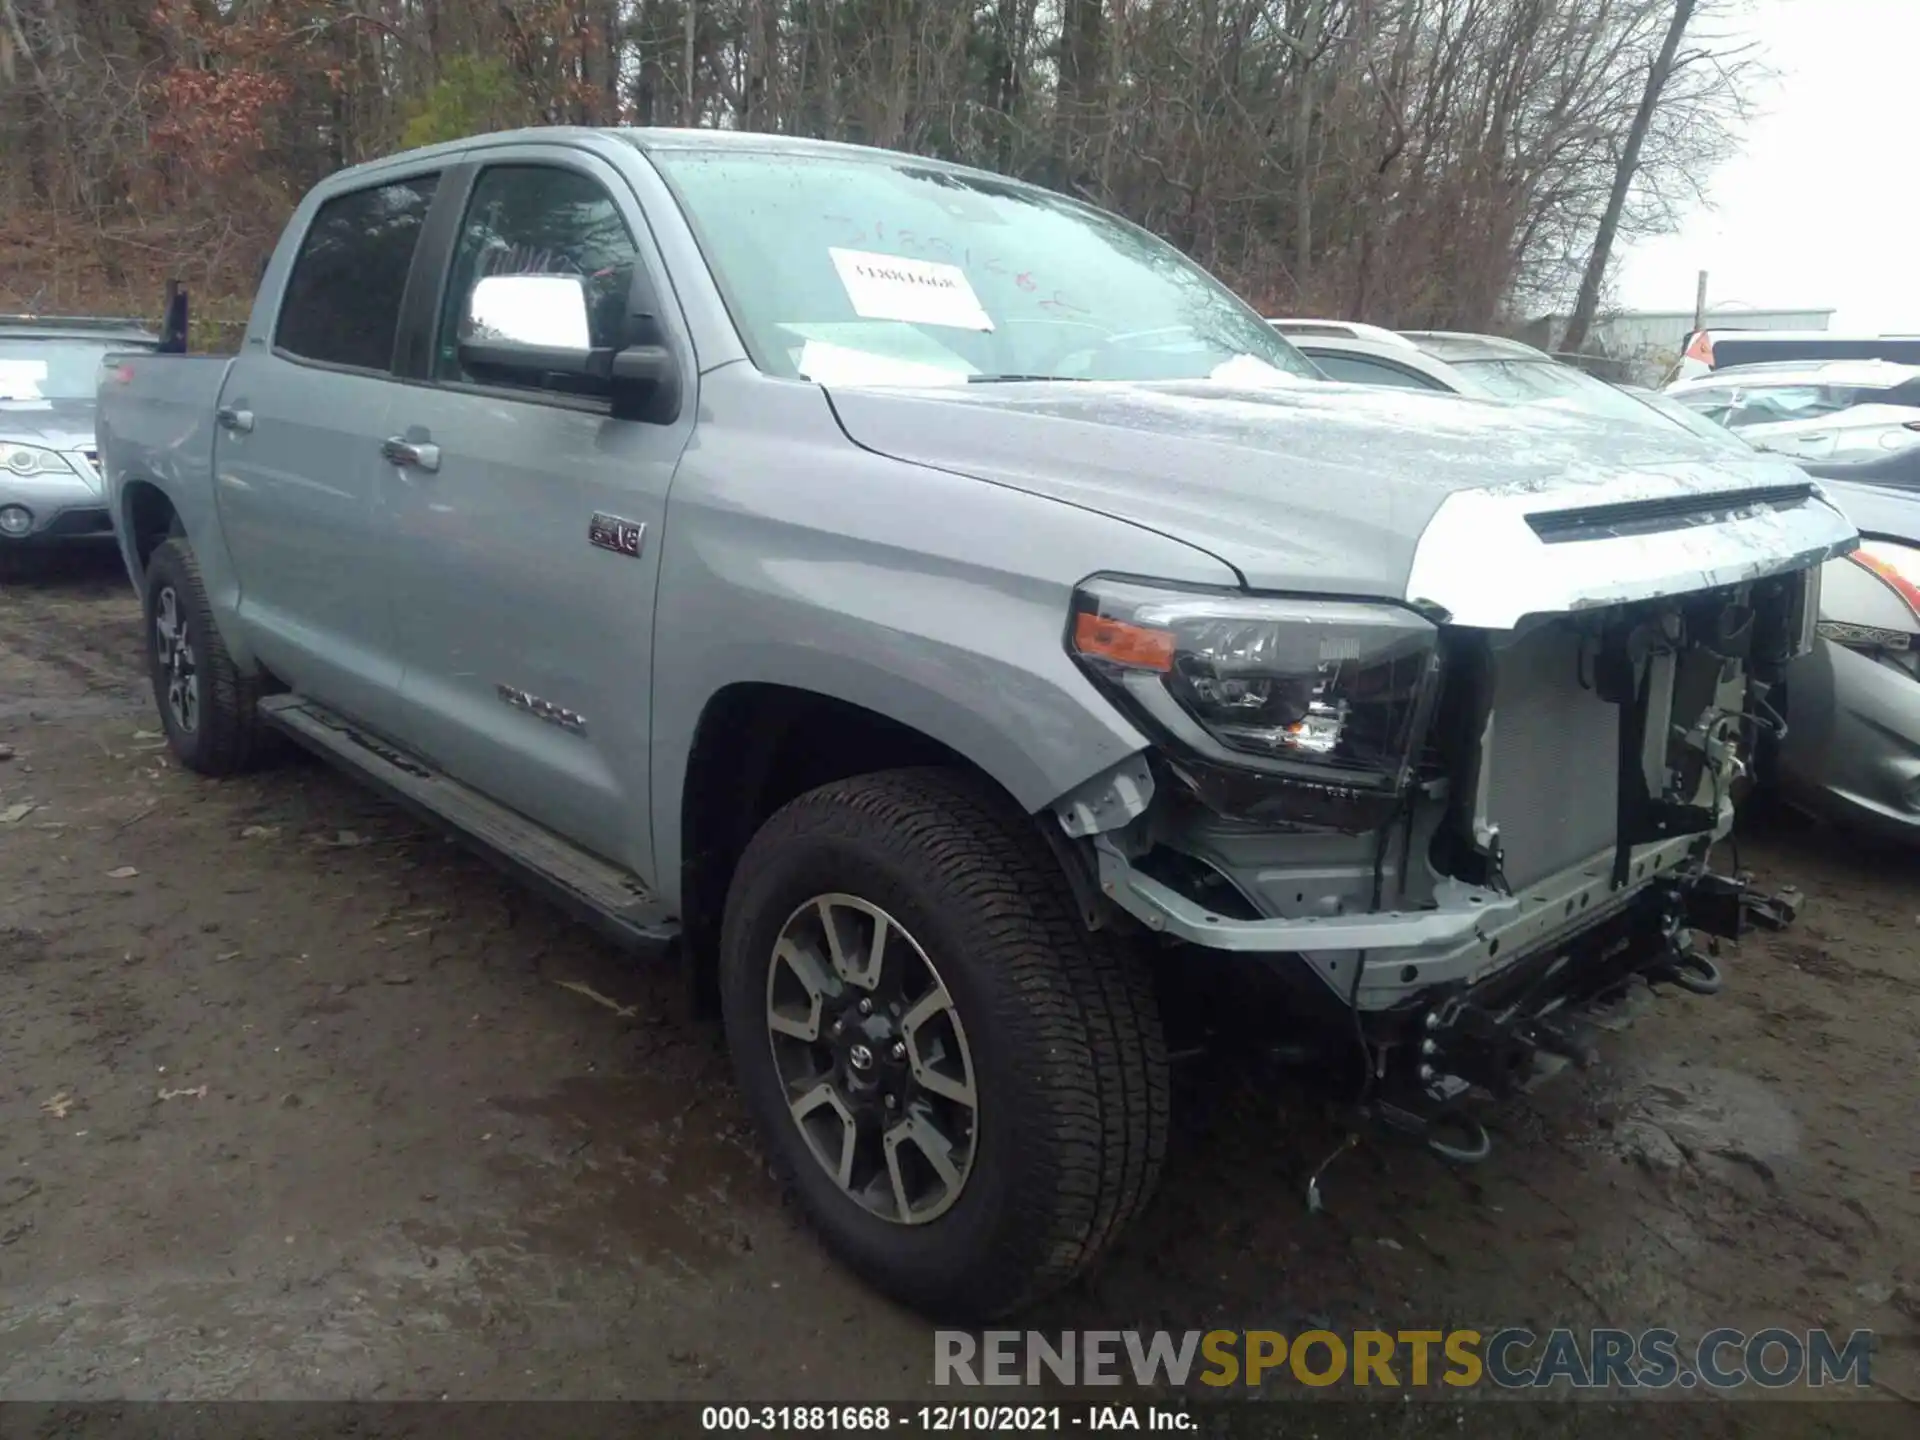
column 297, row 454
column 529, row 548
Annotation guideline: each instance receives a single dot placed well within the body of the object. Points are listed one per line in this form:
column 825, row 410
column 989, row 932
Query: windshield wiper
column 1015, row 379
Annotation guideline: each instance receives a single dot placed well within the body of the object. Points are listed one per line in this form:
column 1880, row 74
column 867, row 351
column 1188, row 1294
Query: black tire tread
column 1100, row 1061
column 232, row 737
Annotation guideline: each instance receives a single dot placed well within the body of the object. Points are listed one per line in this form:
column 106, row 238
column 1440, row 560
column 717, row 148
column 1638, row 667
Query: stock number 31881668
column 855, row 1419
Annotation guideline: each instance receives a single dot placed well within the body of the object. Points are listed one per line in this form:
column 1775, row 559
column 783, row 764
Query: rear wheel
column 207, row 704
column 967, row 1090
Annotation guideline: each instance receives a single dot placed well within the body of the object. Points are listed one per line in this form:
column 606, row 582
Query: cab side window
column 538, row 220
column 342, row 301
column 1365, row 370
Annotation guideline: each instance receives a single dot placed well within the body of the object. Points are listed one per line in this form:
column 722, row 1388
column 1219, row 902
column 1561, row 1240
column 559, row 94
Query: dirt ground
column 298, row 1100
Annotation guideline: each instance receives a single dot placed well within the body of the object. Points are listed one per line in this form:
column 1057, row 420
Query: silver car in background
column 1853, row 420
column 1849, row 709
column 1851, row 752
column 50, row 491
column 1485, row 367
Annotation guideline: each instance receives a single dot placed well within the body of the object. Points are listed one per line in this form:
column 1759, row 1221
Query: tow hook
column 1690, row 970
column 1728, row 906
column 1449, row 1134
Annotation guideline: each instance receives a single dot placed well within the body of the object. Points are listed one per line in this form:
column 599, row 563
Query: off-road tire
column 1069, row 1060
column 229, row 737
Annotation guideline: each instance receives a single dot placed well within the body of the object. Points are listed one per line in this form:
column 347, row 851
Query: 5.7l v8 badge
column 610, row 532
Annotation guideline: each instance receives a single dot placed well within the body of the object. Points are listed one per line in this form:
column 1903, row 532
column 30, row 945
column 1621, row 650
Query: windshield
column 1740, row 404
column 877, row 271
column 52, row 369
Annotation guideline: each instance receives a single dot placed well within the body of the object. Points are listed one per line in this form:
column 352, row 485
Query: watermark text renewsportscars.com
column 1513, row 1359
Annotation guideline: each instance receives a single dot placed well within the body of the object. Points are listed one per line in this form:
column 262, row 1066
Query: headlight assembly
column 32, row 460
column 1321, row 695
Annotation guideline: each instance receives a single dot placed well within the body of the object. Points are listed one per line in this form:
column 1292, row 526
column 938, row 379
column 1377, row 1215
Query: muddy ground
column 298, row 1100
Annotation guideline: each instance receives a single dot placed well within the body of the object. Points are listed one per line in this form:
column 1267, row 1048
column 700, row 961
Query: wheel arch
column 759, row 744
column 147, row 513
column 148, row 517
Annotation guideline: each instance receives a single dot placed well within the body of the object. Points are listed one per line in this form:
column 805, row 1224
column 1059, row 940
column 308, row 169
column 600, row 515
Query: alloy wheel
column 173, row 648
column 870, row 1049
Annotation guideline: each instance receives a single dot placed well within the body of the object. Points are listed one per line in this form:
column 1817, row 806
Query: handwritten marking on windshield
column 938, row 246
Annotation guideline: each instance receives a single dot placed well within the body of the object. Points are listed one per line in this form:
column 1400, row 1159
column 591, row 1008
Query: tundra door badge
column 622, row 537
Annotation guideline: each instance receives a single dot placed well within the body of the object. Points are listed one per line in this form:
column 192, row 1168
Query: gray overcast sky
column 1819, row 208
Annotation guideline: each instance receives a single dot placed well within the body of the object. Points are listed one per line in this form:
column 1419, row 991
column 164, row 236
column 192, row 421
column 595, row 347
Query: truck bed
column 156, row 424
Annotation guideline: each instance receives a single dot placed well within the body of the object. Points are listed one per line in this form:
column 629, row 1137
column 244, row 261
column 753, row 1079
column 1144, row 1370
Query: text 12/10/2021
column 945, row 1419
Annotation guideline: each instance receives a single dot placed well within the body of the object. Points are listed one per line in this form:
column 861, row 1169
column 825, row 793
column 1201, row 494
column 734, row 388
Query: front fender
column 939, row 601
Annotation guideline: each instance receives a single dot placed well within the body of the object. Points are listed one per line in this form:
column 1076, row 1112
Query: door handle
column 238, row 421
column 411, row 454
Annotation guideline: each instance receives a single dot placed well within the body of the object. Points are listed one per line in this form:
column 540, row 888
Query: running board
column 597, row 892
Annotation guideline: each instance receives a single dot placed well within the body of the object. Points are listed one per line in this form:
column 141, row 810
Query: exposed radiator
column 1553, row 789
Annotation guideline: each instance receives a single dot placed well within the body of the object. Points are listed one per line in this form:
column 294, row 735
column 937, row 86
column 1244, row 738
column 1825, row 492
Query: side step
column 597, row 892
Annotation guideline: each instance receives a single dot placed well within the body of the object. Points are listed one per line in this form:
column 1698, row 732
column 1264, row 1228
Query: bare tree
column 1446, row 162
column 1625, row 172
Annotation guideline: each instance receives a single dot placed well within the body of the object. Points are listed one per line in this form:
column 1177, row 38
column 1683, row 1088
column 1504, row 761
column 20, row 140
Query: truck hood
column 52, row 424
column 1358, row 491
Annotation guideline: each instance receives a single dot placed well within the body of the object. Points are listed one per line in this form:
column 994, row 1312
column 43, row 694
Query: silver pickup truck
column 963, row 631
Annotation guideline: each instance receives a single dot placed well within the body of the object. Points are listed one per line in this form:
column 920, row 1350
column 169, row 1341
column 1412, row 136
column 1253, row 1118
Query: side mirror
column 536, row 328
column 527, row 326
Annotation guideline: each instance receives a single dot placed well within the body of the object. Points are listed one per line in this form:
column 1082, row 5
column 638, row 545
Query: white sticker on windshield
column 20, row 379
column 825, row 363
column 924, row 292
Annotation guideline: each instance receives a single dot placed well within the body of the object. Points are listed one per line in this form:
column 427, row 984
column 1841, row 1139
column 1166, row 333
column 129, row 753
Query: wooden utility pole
column 1628, row 166
column 1700, row 303
column 691, row 9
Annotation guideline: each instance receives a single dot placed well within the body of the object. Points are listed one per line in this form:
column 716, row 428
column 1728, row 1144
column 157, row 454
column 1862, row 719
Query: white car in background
column 1855, row 420
column 1484, row 367
column 1708, row 351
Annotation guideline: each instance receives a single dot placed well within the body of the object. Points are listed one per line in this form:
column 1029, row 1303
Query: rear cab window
column 342, row 301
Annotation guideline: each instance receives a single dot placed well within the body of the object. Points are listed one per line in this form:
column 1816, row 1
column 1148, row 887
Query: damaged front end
column 1459, row 842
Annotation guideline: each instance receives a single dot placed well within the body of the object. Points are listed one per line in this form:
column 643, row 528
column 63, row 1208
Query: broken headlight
column 1327, row 691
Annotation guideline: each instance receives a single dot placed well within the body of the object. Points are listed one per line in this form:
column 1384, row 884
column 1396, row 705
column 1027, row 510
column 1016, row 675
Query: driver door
column 529, row 521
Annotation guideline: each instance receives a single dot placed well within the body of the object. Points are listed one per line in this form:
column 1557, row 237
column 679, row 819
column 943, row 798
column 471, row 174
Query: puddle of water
column 1712, row 1110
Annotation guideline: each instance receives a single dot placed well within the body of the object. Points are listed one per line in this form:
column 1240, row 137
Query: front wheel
column 208, row 705
column 966, row 1089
